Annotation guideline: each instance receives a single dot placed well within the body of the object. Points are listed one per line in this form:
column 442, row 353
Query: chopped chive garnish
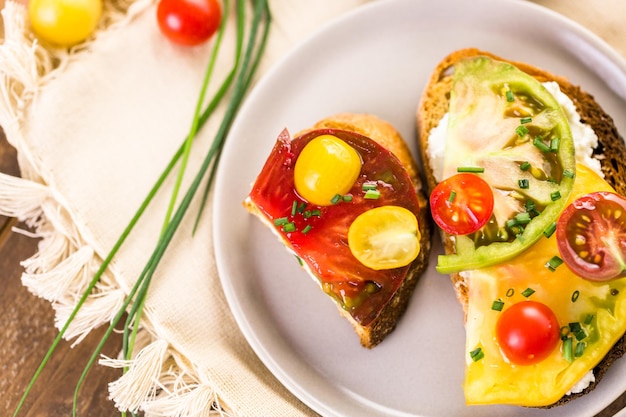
column 301, row 207
column 555, row 195
column 336, row 198
column 530, row 205
column 452, row 196
column 289, row 227
column 522, row 218
column 316, row 213
column 510, row 292
column 574, row 326
column 580, row 348
column 497, row 305
column 575, row 296
column 568, row 173
column 554, row 145
column 372, row 195
column 299, row 260
column 306, row 214
column 294, row 208
column 568, row 352
column 511, row 223
column 523, row 183
column 554, row 263
column 307, row 229
column 588, row 319
column 347, row 198
column 281, row 221
column 538, row 142
column 525, row 166
column 528, row 292
column 525, row 120
column 549, row 231
column 521, row 131
column 477, row 354
column 475, row 170
column 580, row 335
column 368, row 186
column 509, row 96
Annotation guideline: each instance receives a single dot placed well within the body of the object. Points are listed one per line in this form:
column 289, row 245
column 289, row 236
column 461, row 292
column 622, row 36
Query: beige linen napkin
column 93, row 135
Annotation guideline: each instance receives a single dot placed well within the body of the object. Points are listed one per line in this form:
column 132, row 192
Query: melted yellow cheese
column 493, row 379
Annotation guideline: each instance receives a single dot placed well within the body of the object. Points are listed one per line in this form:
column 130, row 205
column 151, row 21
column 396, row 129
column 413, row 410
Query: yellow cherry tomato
column 327, row 166
column 385, row 237
column 64, row 22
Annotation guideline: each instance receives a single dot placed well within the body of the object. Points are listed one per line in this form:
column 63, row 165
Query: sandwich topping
column 549, row 303
column 507, row 126
column 521, row 362
column 346, row 207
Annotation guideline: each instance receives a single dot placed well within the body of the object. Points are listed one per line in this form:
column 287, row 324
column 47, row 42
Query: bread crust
column 611, row 152
column 386, row 135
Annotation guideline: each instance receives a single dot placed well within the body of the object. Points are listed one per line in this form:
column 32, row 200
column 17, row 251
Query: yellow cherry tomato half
column 327, row 166
column 385, row 237
column 64, row 22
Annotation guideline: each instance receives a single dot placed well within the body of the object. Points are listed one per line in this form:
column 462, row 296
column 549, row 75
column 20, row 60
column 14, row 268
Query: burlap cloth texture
column 93, row 129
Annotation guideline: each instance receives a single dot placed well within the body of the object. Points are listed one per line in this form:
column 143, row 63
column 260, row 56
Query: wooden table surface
column 28, row 332
column 28, row 328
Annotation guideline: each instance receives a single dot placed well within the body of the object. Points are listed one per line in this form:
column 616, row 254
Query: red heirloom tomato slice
column 591, row 236
column 462, row 204
column 319, row 234
column 189, row 22
column 527, row 332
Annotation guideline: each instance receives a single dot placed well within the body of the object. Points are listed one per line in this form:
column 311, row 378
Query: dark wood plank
column 614, row 407
column 28, row 331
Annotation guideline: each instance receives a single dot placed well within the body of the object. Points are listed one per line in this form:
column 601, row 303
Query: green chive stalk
column 129, row 340
column 245, row 75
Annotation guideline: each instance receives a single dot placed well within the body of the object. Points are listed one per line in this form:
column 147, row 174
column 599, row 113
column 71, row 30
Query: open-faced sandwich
column 345, row 197
column 527, row 178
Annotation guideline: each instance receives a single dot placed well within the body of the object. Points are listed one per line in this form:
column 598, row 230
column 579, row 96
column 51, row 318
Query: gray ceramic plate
column 377, row 60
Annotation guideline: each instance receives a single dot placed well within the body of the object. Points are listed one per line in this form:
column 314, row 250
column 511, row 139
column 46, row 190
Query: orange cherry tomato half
column 591, row 236
column 527, row 332
column 189, row 22
column 462, row 204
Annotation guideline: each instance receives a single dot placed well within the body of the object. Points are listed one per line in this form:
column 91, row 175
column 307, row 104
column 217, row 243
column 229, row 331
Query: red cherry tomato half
column 461, row 204
column 591, row 236
column 189, row 22
column 527, row 332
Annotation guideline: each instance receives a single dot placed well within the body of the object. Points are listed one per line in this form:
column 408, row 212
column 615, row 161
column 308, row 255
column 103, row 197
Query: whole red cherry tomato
column 462, row 204
column 527, row 332
column 189, row 22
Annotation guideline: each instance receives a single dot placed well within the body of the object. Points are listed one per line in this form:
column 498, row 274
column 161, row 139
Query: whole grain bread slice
column 611, row 152
column 386, row 135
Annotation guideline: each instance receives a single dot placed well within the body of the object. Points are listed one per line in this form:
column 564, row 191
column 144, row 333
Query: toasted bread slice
column 611, row 152
column 386, row 135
